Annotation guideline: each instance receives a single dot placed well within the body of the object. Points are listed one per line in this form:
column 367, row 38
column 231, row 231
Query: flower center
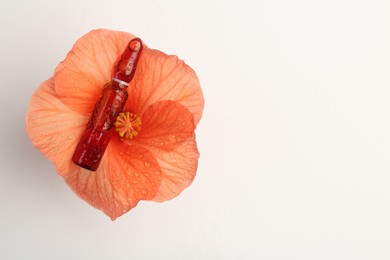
column 127, row 125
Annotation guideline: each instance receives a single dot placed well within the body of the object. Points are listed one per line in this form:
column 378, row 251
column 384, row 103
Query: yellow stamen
column 127, row 125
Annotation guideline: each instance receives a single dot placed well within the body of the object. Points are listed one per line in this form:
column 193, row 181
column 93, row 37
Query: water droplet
column 136, row 174
column 147, row 164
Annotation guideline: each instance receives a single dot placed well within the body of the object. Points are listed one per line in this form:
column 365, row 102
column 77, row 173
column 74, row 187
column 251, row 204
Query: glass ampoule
column 99, row 129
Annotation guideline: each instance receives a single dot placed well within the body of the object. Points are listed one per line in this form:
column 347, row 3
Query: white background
column 294, row 139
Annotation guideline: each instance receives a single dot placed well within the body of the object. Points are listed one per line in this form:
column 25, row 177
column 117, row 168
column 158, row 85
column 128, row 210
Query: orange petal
column 133, row 170
column 87, row 68
column 164, row 77
column 52, row 127
column 178, row 168
column 96, row 189
column 165, row 124
column 168, row 133
column 126, row 175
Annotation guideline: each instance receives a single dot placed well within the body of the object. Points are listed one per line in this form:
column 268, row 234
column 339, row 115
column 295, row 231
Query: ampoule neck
column 120, row 83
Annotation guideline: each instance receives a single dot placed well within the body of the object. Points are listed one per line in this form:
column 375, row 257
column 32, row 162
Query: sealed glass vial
column 99, row 129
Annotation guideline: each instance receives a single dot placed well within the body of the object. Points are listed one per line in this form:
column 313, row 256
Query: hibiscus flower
column 164, row 99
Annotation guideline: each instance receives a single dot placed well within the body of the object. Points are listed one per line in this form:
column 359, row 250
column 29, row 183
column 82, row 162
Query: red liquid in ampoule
column 98, row 133
column 99, row 130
